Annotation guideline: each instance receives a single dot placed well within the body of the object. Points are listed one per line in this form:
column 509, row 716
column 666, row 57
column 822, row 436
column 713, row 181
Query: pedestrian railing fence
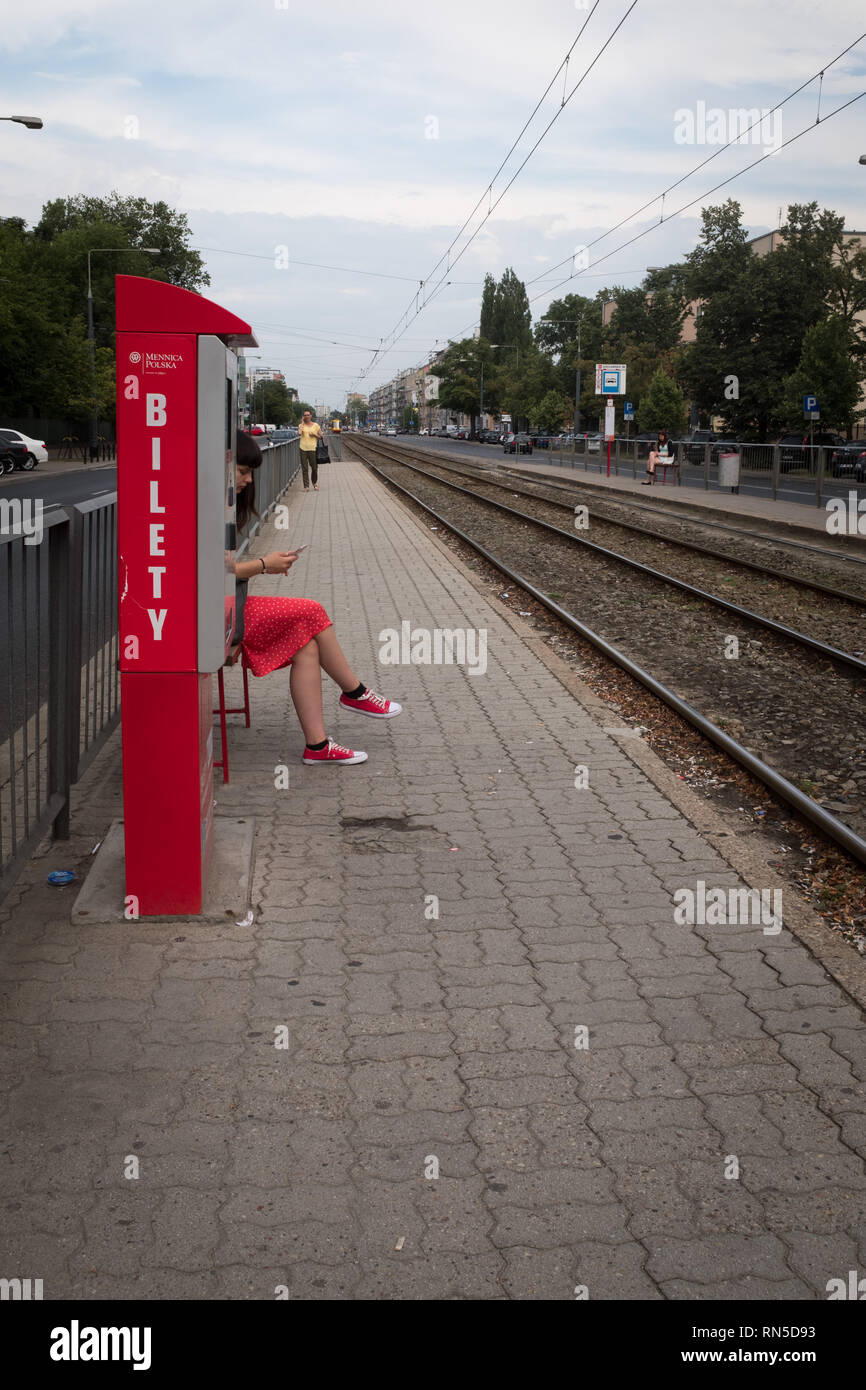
column 804, row 473
column 60, row 697
column 60, row 686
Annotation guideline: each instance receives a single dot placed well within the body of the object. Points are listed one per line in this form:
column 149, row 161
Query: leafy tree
column 523, row 385
column 459, row 373
column 551, row 412
column 273, row 404
column 137, row 223
column 722, row 253
column 846, row 296
column 647, row 318
column 662, row 406
column 45, row 362
column 825, row 370
column 511, row 320
column 488, row 300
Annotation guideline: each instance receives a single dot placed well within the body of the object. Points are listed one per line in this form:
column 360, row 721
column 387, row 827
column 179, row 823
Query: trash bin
column 729, row 471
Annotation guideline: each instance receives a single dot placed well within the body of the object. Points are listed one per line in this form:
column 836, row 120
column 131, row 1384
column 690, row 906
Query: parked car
column 644, row 442
column 13, row 452
column 594, row 442
column 390, row 430
column 690, row 447
column 517, row 444
column 849, row 460
column 34, row 452
column 541, row 441
column 423, row 431
column 795, row 452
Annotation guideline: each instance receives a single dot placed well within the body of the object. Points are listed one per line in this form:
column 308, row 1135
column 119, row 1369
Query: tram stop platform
column 757, row 511
column 465, row 1050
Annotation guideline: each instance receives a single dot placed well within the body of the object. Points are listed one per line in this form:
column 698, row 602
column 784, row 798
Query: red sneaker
column 334, row 753
column 376, row 706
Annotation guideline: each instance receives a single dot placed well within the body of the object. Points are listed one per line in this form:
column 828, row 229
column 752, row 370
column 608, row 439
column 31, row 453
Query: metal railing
column 60, row 699
column 802, row 473
column 60, row 695
column 280, row 463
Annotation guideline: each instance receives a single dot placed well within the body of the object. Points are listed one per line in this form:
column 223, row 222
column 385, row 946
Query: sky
column 328, row 155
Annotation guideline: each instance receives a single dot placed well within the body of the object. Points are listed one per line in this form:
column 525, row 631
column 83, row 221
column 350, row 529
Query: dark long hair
column 248, row 455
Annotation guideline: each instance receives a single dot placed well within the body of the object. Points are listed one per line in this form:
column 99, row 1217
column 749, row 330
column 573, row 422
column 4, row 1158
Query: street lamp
column 31, row 122
column 467, row 361
column 94, row 423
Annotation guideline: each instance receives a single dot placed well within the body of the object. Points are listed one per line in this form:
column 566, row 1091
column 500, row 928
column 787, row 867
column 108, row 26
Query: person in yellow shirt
column 310, row 433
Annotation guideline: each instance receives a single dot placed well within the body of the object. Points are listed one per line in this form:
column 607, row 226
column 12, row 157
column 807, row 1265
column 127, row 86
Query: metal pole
column 93, row 441
column 577, row 385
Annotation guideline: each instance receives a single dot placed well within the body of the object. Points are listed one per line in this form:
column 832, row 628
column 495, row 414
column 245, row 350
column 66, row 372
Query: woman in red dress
column 296, row 632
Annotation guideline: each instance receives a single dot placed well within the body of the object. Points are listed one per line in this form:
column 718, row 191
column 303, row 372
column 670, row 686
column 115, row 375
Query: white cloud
column 305, row 126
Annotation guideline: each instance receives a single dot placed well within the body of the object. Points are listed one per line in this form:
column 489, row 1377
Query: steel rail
column 811, row 584
column 835, row 830
column 744, row 614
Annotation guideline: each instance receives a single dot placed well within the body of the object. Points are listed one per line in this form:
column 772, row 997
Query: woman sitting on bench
column 297, row 632
column 662, row 453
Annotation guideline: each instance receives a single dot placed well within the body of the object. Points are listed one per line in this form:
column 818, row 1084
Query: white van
column 451, row 430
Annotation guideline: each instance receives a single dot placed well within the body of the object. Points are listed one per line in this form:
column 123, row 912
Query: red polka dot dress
column 275, row 629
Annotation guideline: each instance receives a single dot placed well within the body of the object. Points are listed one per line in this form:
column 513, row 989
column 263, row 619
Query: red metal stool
column 222, row 711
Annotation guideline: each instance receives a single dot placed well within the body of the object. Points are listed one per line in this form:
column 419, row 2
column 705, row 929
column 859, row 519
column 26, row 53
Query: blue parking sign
column 810, row 405
column 628, row 411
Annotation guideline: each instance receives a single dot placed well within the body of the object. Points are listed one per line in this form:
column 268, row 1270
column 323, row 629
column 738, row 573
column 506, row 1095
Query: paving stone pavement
column 437, row 933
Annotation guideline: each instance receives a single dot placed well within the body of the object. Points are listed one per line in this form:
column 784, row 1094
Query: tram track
column 629, row 629
column 538, row 489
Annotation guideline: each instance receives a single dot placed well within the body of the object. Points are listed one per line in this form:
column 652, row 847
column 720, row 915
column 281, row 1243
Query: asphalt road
column 55, row 489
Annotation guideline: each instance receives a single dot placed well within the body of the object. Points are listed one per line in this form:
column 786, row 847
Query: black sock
column 316, row 747
column 356, row 694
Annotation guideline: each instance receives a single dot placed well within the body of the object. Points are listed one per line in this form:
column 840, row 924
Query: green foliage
column 757, row 313
column 827, row 370
column 488, row 300
column 662, row 406
column 459, row 372
column 552, row 412
column 273, row 404
column 45, row 362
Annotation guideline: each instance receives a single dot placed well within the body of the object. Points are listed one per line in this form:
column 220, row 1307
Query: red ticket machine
column 176, row 436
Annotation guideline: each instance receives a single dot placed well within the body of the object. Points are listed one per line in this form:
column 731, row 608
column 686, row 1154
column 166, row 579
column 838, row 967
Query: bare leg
column 305, row 684
column 333, row 661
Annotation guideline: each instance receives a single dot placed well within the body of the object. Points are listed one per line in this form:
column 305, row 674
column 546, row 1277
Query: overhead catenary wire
column 737, row 139
column 396, row 334
column 685, row 207
column 590, row 270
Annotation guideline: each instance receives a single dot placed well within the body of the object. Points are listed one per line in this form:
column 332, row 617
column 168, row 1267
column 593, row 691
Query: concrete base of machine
column 229, row 885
